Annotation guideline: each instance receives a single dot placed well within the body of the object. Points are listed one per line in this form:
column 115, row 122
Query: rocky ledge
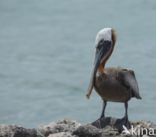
column 71, row 128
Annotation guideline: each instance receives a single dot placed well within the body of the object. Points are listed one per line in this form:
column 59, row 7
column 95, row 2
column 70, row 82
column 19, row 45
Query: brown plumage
column 116, row 85
column 112, row 84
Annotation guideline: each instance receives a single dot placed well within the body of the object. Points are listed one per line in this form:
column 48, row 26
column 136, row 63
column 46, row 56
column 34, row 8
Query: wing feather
column 128, row 79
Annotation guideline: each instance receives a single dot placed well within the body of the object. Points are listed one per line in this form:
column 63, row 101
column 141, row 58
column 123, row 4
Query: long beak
column 99, row 58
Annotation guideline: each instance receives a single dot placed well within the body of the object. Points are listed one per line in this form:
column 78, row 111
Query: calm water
column 46, row 55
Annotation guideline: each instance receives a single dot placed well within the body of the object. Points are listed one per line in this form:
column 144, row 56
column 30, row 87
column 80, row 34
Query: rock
column 87, row 131
column 16, row 131
column 65, row 125
column 109, row 131
column 62, row 134
column 70, row 128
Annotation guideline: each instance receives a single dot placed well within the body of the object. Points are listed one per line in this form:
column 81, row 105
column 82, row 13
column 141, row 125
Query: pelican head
column 105, row 42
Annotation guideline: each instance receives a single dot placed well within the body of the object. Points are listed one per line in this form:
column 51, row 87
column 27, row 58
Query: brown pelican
column 112, row 84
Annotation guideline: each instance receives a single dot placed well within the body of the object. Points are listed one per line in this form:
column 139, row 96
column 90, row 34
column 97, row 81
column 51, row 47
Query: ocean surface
column 46, row 56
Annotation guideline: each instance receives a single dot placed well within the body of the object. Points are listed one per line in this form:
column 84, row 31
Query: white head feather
column 105, row 34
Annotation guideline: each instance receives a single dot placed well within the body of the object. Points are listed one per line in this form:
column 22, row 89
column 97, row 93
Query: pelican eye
column 107, row 44
column 100, row 44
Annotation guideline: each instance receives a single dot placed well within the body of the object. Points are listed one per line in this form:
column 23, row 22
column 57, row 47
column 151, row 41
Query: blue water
column 46, row 56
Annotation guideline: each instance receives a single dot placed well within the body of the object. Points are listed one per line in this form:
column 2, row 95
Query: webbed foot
column 123, row 123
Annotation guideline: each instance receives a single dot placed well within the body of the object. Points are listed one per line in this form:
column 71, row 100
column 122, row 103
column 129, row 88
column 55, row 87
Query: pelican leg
column 103, row 109
column 126, row 110
column 125, row 119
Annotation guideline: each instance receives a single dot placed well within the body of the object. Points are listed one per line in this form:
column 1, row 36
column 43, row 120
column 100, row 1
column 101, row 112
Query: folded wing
column 128, row 79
